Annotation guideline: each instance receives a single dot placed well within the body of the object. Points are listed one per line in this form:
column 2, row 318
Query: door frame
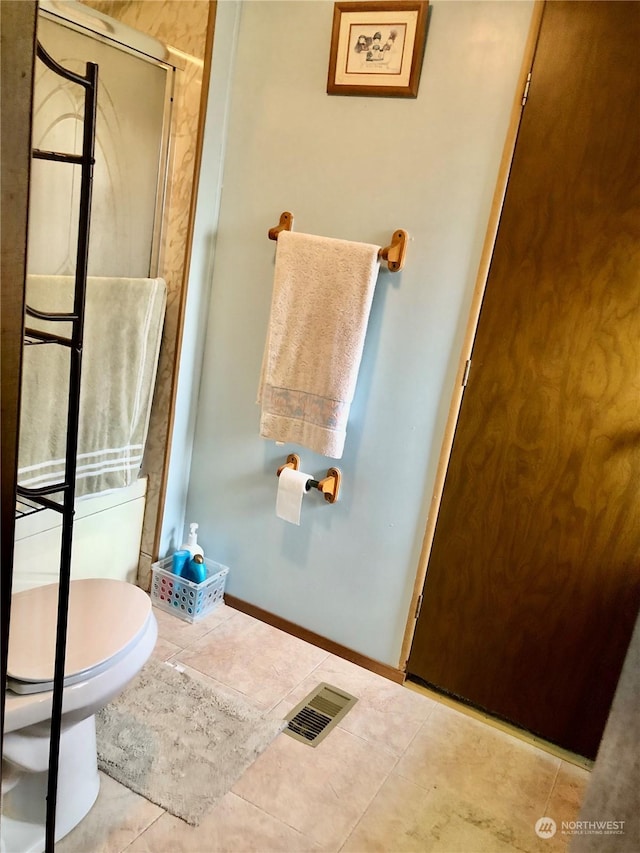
column 472, row 325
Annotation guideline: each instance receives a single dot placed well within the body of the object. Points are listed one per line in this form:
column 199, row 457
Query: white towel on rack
column 322, row 294
column 122, row 334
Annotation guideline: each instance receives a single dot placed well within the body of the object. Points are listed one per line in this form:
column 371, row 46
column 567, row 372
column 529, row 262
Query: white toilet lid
column 105, row 617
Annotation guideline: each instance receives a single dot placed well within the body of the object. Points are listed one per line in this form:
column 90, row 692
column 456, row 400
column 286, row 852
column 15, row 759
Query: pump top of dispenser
column 191, row 544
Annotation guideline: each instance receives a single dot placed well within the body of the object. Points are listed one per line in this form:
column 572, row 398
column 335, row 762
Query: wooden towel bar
column 394, row 254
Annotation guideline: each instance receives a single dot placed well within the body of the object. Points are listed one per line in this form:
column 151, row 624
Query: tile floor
column 403, row 771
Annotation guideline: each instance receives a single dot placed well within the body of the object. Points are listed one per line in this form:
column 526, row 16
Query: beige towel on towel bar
column 322, row 294
column 122, row 333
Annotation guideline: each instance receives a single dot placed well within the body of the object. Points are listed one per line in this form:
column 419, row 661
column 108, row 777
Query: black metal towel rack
column 43, row 497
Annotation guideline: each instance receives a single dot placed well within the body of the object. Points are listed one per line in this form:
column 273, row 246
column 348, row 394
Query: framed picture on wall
column 377, row 48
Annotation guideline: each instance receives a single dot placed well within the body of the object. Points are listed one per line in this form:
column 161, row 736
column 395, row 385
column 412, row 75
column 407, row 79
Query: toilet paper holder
column 329, row 485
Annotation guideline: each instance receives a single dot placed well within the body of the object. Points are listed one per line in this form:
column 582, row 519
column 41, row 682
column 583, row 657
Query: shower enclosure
column 129, row 187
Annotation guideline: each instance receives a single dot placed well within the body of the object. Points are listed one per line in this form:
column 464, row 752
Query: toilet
column 111, row 633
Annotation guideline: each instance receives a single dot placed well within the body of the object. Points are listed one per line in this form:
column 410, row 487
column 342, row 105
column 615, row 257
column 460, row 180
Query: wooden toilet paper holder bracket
column 329, row 485
column 293, row 461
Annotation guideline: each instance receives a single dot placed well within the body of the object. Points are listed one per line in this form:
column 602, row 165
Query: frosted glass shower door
column 131, row 155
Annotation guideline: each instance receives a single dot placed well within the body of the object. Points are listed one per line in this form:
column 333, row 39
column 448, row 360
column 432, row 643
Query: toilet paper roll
column 291, row 490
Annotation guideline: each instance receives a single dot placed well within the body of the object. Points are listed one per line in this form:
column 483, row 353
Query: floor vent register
column 312, row 719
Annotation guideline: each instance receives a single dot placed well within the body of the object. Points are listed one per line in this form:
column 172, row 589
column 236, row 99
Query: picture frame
column 377, row 48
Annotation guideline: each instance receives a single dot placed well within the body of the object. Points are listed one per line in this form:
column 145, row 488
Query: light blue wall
column 354, row 168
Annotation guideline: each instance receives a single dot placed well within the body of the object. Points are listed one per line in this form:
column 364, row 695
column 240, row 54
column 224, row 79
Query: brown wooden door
column 533, row 581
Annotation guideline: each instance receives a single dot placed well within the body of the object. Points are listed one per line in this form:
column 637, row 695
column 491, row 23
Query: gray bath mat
column 178, row 742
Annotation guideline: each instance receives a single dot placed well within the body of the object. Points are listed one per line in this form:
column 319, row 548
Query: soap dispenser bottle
column 191, row 545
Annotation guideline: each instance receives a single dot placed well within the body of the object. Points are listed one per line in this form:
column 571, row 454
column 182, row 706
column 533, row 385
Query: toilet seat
column 106, row 618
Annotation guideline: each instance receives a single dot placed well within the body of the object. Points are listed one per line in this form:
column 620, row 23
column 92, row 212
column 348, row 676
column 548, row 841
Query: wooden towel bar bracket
column 329, row 486
column 394, row 254
column 285, row 224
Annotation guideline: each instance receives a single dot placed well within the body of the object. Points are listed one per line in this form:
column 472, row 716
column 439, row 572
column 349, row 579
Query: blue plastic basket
column 185, row 599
